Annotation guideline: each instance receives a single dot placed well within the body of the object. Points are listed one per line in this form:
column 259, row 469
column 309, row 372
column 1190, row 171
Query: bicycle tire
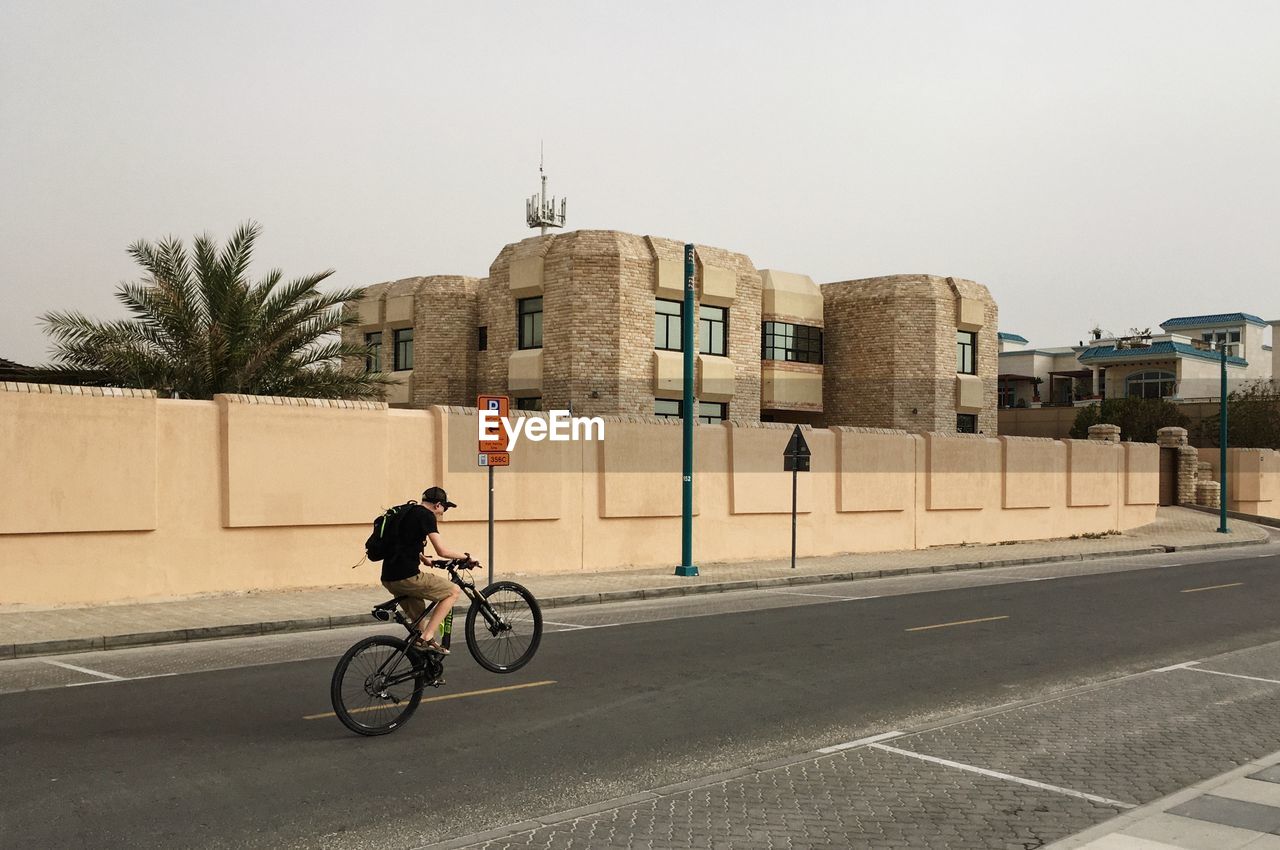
column 508, row 650
column 365, row 715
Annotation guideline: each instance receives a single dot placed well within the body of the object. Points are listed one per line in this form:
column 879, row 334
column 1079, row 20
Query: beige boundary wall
column 1253, row 479
column 115, row 495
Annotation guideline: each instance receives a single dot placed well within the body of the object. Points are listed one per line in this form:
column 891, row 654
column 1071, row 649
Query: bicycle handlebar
column 454, row 563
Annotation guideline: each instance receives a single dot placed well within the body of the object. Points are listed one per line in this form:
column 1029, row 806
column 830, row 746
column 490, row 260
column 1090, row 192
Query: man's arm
column 441, row 549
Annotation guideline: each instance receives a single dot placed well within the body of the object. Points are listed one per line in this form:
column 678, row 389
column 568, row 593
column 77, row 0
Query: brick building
column 590, row 320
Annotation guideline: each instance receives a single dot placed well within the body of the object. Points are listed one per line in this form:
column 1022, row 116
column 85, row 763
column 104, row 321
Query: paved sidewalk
column 1239, row 809
column 25, row 631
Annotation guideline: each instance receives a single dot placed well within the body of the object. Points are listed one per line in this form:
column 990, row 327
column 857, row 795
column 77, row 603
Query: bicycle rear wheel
column 365, row 695
column 503, row 639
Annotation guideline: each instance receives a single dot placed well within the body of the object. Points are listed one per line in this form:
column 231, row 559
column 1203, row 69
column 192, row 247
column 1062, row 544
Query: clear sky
column 1091, row 162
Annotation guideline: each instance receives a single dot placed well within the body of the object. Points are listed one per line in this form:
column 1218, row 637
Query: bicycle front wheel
column 504, row 628
column 376, row 686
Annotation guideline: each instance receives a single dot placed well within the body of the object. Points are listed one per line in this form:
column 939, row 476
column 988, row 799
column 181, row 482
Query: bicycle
column 378, row 682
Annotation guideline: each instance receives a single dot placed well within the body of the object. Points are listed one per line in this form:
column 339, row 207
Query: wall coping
column 290, row 401
column 1014, row 438
column 858, row 429
column 67, row 389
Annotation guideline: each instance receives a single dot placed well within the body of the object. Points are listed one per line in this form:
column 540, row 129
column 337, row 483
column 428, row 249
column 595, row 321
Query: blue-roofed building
column 1181, row 364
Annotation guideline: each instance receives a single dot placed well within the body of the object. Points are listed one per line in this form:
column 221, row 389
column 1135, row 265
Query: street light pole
column 1222, row 442
column 687, row 567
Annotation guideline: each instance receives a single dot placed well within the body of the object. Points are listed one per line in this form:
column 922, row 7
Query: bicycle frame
column 473, row 595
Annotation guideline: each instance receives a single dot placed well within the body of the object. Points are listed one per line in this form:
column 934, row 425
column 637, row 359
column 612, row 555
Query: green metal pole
column 1222, row 447
column 686, row 567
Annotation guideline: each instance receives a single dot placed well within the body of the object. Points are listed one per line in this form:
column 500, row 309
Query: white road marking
column 152, row 676
column 1008, row 777
column 1183, row 666
column 64, row 665
column 1234, row 675
column 861, row 742
column 566, row 625
column 822, row 595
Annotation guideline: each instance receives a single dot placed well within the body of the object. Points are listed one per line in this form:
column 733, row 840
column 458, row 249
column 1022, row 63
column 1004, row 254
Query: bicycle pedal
column 437, row 683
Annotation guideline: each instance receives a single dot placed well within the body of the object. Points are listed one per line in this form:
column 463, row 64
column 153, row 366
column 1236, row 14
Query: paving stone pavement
column 860, row 798
column 1132, row 741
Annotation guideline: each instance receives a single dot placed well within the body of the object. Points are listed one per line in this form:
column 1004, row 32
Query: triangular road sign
column 796, row 446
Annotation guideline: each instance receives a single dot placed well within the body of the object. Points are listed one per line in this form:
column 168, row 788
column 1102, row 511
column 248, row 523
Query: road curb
column 170, row 636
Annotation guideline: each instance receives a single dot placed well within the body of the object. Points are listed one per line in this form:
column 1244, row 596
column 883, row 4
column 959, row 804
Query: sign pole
column 686, row 567
column 795, row 459
column 495, row 443
column 795, row 476
column 491, row 525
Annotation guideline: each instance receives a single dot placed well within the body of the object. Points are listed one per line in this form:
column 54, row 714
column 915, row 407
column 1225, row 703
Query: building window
column 966, row 352
column 373, row 342
column 966, row 423
column 403, row 359
column 794, row 343
column 1150, row 385
column 666, row 325
column 713, row 329
column 530, row 319
column 1008, row 395
column 712, row 412
column 665, row 408
column 533, row 402
column 1229, row 339
column 482, row 338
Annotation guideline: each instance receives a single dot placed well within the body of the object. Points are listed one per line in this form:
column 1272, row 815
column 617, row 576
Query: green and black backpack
column 386, row 532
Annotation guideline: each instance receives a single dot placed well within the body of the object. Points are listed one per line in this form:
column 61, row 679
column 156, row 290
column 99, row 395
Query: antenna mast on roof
column 541, row 212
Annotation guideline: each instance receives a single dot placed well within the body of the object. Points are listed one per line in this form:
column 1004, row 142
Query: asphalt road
column 228, row 758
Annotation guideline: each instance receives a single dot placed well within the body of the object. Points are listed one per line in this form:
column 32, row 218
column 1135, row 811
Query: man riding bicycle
column 402, row 576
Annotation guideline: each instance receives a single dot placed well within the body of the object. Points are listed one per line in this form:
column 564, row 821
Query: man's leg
column 411, row 597
column 438, row 613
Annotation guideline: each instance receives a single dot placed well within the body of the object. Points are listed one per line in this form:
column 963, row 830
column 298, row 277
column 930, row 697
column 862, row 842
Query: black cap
column 438, row 495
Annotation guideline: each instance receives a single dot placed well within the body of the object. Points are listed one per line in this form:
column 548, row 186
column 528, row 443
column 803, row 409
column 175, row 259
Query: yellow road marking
column 442, row 698
column 958, row 623
column 1213, row 587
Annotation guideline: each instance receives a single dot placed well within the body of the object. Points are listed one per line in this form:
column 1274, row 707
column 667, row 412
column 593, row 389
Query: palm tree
column 199, row 327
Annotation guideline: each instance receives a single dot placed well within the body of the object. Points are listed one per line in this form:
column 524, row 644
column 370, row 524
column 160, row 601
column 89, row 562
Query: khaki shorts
column 425, row 585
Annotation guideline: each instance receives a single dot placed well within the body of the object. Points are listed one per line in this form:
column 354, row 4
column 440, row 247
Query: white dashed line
column 1008, row 777
column 85, row 670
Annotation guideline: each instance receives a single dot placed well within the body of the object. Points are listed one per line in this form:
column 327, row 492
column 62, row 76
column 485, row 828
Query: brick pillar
column 1188, row 469
column 1207, row 494
column 1104, row 433
column 1188, row 462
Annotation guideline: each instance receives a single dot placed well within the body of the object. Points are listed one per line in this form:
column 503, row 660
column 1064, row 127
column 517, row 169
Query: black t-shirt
column 412, row 529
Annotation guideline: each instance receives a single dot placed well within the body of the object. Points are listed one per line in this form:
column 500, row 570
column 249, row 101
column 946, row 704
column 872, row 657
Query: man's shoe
column 431, row 645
